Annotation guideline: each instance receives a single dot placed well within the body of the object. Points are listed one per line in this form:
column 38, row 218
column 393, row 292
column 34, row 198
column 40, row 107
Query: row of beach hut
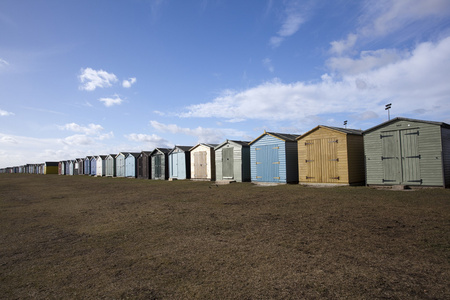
column 401, row 151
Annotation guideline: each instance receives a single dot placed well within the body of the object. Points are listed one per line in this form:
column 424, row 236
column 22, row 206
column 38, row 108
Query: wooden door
column 390, row 157
column 140, row 162
column 174, row 164
column 267, row 163
column 410, row 162
column 312, row 161
column 227, row 163
column 157, row 161
column 200, row 166
column 330, row 160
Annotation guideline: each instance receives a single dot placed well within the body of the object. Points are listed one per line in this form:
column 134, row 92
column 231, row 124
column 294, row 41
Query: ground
column 72, row 237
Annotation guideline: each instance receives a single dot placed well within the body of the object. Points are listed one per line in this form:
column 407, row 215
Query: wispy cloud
column 383, row 17
column 92, row 79
column 204, row 135
column 293, row 18
column 128, row 83
column 4, row 113
column 267, row 62
column 415, row 80
column 111, row 101
column 3, row 62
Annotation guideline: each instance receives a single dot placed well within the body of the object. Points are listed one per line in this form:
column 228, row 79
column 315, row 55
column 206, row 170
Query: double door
column 400, row 157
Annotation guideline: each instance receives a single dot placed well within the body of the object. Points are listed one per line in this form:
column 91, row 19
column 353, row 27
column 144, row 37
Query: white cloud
column 339, row 47
column 111, row 101
column 92, row 79
column 368, row 60
column 128, row 83
column 78, row 140
column 151, row 141
column 203, row 135
column 417, row 80
column 7, row 139
column 294, row 17
column 4, row 113
column 91, row 129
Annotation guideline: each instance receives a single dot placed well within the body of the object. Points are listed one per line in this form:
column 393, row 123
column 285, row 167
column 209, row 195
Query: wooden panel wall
column 430, row 151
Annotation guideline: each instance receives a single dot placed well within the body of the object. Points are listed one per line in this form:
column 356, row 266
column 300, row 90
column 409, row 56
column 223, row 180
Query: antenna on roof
column 345, row 124
column 388, row 107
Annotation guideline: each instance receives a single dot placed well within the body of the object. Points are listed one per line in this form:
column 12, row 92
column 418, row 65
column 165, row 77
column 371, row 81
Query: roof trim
column 442, row 124
column 239, row 143
column 204, row 144
column 286, row 137
column 336, row 129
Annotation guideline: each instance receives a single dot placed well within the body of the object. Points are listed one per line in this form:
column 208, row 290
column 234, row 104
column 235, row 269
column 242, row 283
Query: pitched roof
column 162, row 150
column 442, row 124
column 343, row 130
column 204, row 144
column 287, row 137
column 183, row 148
column 242, row 143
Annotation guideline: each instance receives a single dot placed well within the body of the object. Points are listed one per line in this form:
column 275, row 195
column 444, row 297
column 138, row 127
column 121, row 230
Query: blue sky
column 96, row 77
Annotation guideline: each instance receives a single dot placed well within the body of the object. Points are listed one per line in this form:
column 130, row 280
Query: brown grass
column 71, row 237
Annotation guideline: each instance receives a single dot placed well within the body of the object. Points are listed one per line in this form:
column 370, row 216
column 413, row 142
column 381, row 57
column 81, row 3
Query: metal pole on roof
column 388, row 107
column 345, row 124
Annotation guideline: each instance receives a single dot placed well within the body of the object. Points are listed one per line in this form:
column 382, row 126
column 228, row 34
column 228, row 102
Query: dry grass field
column 79, row 237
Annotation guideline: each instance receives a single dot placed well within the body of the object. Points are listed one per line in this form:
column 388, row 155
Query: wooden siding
column 101, row 166
column 159, row 166
column 180, row 163
column 235, row 165
column 110, row 166
column 120, row 165
column 445, row 134
column 273, row 160
column 355, row 158
column 131, row 165
column 144, row 168
column 203, row 164
column 427, row 147
column 93, row 166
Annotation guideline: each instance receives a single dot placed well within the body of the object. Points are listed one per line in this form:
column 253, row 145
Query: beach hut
column 93, row 165
column 40, row 168
column 410, row 152
column 233, row 161
column 160, row 163
column 131, row 166
column 120, row 164
column 51, row 167
column 71, row 166
column 331, row 155
column 274, row 158
column 203, row 162
column 66, row 167
column 110, row 165
column 180, row 162
column 61, row 168
column 87, row 165
column 101, row 166
column 143, row 162
column 80, row 166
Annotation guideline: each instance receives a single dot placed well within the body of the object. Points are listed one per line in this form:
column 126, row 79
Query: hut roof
column 282, row 136
column 442, row 124
column 339, row 129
